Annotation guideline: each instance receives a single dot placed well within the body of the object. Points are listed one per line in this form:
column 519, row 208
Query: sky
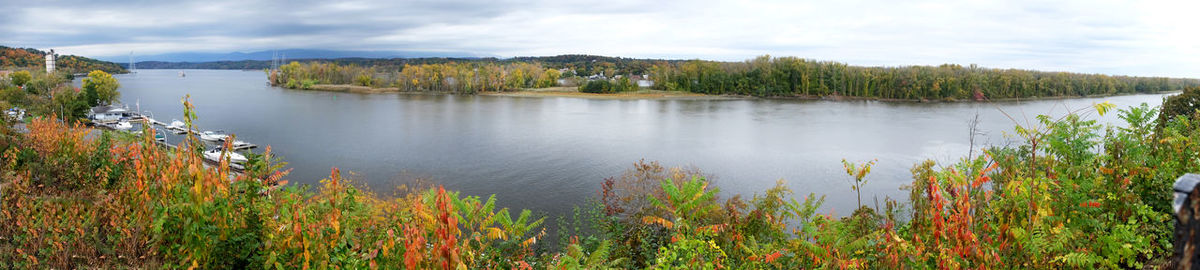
column 1145, row 38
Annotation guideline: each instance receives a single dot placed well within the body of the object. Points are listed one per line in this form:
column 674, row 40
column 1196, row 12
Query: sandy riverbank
column 354, row 89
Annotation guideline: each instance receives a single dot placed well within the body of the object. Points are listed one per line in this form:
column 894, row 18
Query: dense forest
column 27, row 58
column 1074, row 194
column 791, row 76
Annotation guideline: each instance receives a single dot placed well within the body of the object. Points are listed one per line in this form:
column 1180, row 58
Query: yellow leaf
column 1103, row 107
column 657, row 220
column 529, row 242
column 496, row 233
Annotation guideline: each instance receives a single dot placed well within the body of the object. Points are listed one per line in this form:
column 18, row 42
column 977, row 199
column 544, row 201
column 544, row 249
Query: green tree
column 1183, row 104
column 363, row 80
column 100, row 88
column 20, row 78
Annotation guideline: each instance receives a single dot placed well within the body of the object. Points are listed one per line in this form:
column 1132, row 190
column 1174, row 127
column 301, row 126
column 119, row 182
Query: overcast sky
column 1159, row 38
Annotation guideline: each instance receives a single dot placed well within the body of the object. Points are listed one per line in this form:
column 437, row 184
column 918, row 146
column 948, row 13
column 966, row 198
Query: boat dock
column 178, row 131
column 107, row 117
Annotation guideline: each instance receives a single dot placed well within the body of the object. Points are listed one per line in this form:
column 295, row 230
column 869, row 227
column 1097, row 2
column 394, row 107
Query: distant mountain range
column 195, row 57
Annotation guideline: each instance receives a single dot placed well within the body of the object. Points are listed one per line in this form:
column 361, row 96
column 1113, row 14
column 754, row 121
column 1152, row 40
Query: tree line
column 456, row 77
column 763, row 76
column 791, row 76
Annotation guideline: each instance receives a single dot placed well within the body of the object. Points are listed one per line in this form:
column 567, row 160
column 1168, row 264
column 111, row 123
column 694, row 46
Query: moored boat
column 122, row 125
column 177, row 126
column 215, row 153
column 213, row 136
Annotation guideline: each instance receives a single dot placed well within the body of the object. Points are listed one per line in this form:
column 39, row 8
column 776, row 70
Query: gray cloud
column 1139, row 38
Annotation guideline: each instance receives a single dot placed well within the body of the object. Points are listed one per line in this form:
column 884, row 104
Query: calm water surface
column 547, row 154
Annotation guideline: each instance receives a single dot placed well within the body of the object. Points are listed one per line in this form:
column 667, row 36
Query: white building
column 50, row 62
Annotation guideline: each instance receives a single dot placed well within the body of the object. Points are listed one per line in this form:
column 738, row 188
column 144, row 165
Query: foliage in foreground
column 1076, row 194
column 72, row 200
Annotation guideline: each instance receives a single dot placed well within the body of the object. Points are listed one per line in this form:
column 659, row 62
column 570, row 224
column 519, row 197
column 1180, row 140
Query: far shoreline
column 650, row 94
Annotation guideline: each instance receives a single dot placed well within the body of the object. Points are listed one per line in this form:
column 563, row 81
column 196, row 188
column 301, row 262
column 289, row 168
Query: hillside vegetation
column 33, row 59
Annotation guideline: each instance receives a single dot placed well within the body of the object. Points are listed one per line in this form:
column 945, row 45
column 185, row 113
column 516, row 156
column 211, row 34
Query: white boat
column 215, row 155
column 177, row 125
column 237, row 144
column 122, row 125
column 213, row 136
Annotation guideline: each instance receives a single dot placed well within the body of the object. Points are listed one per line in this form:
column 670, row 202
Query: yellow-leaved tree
column 100, row 88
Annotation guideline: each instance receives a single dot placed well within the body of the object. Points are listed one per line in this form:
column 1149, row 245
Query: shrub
column 597, row 86
column 363, row 80
column 1184, row 104
column 20, row 78
column 307, row 84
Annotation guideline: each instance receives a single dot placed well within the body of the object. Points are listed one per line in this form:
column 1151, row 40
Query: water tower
column 50, row 62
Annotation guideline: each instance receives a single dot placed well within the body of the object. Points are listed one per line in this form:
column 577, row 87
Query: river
column 550, row 153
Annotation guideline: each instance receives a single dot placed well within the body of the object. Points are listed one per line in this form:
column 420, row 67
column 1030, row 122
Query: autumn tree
column 20, row 78
column 549, row 78
column 100, row 88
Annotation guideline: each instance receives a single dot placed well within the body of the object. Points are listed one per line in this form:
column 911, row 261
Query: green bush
column 1186, row 104
column 596, row 86
column 608, row 86
column 308, row 84
column 20, row 78
column 363, row 80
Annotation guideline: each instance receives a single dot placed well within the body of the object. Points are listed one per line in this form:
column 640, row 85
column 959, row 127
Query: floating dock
column 179, row 131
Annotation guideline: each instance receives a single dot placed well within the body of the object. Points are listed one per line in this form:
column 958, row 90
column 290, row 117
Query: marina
column 121, row 118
